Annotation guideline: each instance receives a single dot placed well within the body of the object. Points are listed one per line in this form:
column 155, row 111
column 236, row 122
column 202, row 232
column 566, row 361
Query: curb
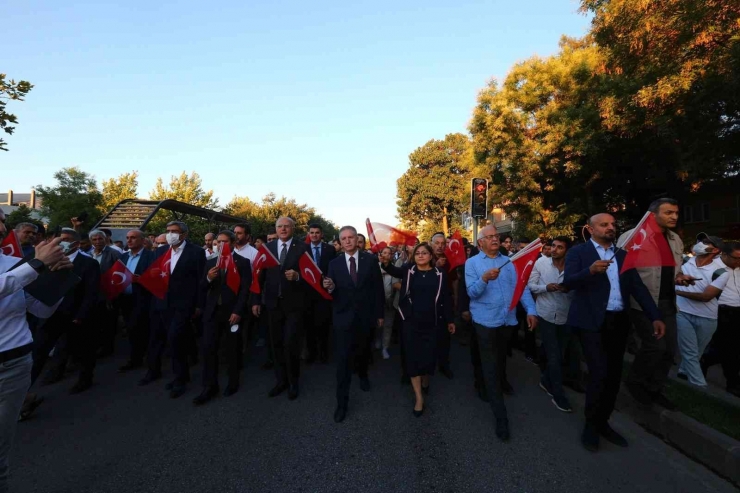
column 705, row 445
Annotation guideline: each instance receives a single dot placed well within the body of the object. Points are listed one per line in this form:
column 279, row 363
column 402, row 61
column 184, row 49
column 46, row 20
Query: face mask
column 701, row 249
column 215, row 248
column 65, row 245
column 173, row 239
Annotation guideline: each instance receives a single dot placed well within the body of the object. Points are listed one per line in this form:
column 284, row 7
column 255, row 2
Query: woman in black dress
column 425, row 306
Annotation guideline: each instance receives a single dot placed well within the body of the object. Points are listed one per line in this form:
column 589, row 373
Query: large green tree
column 22, row 214
column 118, row 189
column 75, row 193
column 10, row 90
column 434, row 191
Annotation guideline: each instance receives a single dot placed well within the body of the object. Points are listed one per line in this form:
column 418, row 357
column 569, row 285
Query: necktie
column 316, row 254
column 353, row 270
column 283, row 253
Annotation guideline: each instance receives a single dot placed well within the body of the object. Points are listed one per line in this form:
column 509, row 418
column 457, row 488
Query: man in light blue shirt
column 490, row 279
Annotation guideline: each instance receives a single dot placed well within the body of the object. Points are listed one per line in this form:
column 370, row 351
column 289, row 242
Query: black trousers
column 493, row 343
column 318, row 325
column 478, row 377
column 216, row 329
column 725, row 345
column 81, row 343
column 604, row 352
column 352, row 351
column 137, row 325
column 285, row 338
column 654, row 359
column 108, row 319
column 171, row 328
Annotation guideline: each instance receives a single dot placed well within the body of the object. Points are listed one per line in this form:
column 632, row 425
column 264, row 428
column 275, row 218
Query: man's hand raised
column 49, row 252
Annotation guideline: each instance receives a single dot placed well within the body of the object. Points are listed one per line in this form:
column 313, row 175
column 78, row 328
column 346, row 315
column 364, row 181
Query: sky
column 317, row 101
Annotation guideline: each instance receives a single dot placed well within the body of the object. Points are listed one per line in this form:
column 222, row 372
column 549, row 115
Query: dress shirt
column 116, row 247
column 98, row 257
column 731, row 294
column 249, row 252
column 356, row 255
column 551, row 306
column 175, row 256
column 280, row 247
column 616, row 304
column 131, row 263
column 14, row 302
column 73, row 255
column 489, row 302
column 313, row 254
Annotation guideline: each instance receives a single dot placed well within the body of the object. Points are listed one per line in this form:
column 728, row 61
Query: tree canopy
column 75, row 193
column 10, row 90
column 117, row 189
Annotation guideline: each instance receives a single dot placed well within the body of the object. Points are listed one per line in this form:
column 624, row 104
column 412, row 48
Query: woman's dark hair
column 421, row 245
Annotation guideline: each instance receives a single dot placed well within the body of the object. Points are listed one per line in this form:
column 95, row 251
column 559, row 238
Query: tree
column 23, row 214
column 118, row 189
column 188, row 189
column 10, row 90
column 433, row 192
column 75, row 193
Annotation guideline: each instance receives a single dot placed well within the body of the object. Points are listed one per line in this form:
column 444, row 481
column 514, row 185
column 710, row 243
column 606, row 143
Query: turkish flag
column 455, row 251
column 646, row 246
column 311, row 273
column 523, row 262
column 115, row 280
column 381, row 235
column 263, row 260
column 10, row 245
column 156, row 279
column 226, row 262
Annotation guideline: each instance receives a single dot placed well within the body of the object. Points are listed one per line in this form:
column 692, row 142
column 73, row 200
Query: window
column 697, row 213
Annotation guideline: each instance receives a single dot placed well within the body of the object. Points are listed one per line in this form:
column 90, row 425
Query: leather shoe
column 278, row 389
column 231, row 389
column 80, row 386
column 612, row 436
column 502, row 430
column 293, row 393
column 340, row 413
column 447, row 372
column 419, row 413
column 205, row 396
column 506, row 388
column 177, row 391
column 590, row 438
column 365, row 384
column 149, row 378
column 128, row 366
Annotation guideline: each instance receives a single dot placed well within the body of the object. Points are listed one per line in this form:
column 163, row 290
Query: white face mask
column 66, row 247
column 215, row 248
column 173, row 239
column 700, row 248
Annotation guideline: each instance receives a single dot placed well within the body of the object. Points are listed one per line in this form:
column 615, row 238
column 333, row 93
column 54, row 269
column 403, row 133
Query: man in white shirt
column 698, row 306
column 243, row 234
column 208, row 244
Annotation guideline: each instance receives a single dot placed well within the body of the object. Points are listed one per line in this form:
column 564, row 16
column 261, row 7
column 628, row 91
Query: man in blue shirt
column 490, row 279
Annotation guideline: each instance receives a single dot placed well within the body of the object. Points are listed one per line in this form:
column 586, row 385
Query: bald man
column 599, row 316
column 208, row 244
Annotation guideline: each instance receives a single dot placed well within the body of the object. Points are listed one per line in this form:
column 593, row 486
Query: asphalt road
column 118, row 437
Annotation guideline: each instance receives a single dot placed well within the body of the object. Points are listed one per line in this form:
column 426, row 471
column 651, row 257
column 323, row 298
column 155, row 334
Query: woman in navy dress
column 425, row 305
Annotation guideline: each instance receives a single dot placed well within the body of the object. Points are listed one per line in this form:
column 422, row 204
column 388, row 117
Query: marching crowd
column 303, row 297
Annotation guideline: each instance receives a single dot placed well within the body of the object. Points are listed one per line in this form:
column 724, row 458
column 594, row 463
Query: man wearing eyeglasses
column 490, row 279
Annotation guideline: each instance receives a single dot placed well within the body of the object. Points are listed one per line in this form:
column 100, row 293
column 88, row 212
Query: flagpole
column 627, row 240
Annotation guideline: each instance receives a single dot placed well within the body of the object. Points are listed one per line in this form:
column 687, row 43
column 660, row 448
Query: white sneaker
column 378, row 344
column 385, row 354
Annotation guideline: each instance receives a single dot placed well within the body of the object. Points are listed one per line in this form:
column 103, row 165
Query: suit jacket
column 443, row 313
column 274, row 283
column 234, row 302
column 184, row 285
column 358, row 305
column 79, row 303
column 327, row 255
column 140, row 296
column 109, row 257
column 588, row 308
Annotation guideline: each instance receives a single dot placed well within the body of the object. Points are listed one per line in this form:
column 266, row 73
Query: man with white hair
column 106, row 313
column 26, row 233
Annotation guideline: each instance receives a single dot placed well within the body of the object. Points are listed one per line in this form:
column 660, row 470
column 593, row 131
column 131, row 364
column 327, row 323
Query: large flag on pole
column 10, row 245
column 226, row 262
column 381, row 235
column 156, row 279
column 263, row 260
column 311, row 273
column 455, row 251
column 115, row 280
column 646, row 246
column 523, row 262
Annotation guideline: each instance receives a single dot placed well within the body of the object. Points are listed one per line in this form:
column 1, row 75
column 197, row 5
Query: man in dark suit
column 284, row 296
column 599, row 314
column 318, row 309
column 136, row 300
column 106, row 312
column 356, row 285
column 171, row 317
column 74, row 317
column 223, row 312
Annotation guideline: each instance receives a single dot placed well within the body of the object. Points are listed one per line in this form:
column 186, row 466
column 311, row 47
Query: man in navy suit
column 284, row 296
column 318, row 309
column 136, row 300
column 171, row 317
column 356, row 284
column 599, row 314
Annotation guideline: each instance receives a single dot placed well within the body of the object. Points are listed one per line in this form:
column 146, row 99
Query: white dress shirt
column 175, row 256
column 356, row 256
column 551, row 306
column 248, row 252
column 615, row 304
column 280, row 247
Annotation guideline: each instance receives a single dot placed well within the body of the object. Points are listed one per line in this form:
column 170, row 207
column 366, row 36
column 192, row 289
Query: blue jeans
column 555, row 339
column 15, row 378
column 694, row 334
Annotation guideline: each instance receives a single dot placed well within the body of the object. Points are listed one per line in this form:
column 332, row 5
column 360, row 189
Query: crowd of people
column 584, row 306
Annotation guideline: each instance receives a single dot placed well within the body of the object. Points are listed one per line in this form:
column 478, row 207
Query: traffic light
column 479, row 197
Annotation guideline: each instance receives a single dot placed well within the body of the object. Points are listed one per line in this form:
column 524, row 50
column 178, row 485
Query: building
column 11, row 201
column 713, row 209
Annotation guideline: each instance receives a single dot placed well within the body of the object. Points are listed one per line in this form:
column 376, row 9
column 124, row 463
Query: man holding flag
column 658, row 257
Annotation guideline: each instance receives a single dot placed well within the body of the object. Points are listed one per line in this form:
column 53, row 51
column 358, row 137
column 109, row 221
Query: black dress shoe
column 418, row 413
column 149, row 378
column 278, row 389
column 612, row 436
column 506, row 388
column 268, row 365
column 502, row 430
column 447, row 372
column 293, row 393
column 483, row 393
column 590, row 438
column 365, row 384
column 340, row 413
column 80, row 386
column 205, row 396
column 177, row 391
column 129, row 366
column 231, row 389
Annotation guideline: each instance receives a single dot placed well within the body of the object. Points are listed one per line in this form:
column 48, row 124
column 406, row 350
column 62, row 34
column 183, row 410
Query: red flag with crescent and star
column 455, row 251
column 646, row 246
column 226, row 262
column 263, row 260
column 311, row 273
column 523, row 262
column 156, row 279
column 115, row 280
column 10, row 245
column 381, row 235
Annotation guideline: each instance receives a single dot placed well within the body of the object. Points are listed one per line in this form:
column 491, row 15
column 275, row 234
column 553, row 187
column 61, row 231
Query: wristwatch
column 37, row 265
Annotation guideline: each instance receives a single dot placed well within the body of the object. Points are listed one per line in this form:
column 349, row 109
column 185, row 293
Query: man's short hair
column 209, row 234
column 435, row 235
column 349, row 228
column 271, row 231
column 731, row 246
column 505, row 237
column 563, row 239
column 21, row 226
column 41, row 229
column 71, row 232
column 183, row 227
column 290, row 219
column 97, row 232
column 247, row 229
column 360, row 234
column 655, row 204
column 107, row 232
column 230, row 234
column 315, row 225
column 143, row 235
column 523, row 240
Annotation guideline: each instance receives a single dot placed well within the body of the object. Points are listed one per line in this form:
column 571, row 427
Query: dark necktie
column 353, row 270
column 283, row 253
column 316, row 254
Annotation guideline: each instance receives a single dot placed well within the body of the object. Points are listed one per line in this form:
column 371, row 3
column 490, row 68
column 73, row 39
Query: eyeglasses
column 490, row 237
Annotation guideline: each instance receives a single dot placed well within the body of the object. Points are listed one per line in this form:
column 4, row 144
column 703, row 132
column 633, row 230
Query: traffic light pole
column 475, row 232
